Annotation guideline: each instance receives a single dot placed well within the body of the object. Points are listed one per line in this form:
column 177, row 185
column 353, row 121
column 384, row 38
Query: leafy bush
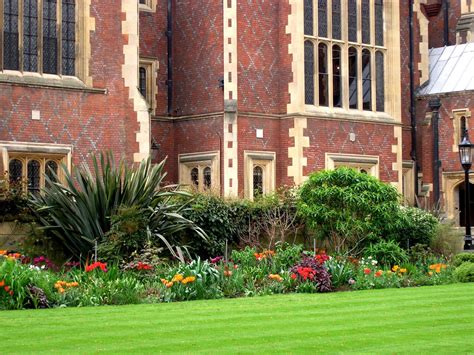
column 341, row 271
column 387, row 253
column 347, row 208
column 82, row 210
column 463, row 258
column 448, row 240
column 465, row 272
column 413, row 226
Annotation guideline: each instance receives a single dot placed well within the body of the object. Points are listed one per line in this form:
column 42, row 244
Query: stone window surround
column 408, row 182
column 267, row 161
column 201, row 160
column 148, row 6
column 456, row 117
column 60, row 153
column 84, row 24
column 367, row 162
column 151, row 67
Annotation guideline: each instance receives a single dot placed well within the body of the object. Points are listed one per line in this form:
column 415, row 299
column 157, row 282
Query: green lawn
column 429, row 319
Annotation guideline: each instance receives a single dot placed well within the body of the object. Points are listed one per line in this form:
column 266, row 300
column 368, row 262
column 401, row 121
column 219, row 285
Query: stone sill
column 49, row 82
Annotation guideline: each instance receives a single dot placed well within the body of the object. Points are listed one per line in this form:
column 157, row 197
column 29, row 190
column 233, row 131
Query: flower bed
column 37, row 283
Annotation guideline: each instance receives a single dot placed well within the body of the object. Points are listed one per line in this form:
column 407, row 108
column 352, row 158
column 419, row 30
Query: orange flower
column 402, row 271
column 367, row 271
column 227, row 273
column 378, row 273
column 61, row 290
column 3, row 252
column 169, row 284
column 2, row 283
column 164, row 281
column 275, row 277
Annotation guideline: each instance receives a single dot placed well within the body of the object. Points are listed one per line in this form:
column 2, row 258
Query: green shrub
column 413, row 226
column 341, row 271
column 347, row 208
column 465, row 272
column 463, row 258
column 387, row 253
column 448, row 240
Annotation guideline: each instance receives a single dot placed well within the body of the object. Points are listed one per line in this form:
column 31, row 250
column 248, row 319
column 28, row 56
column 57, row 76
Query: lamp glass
column 465, row 152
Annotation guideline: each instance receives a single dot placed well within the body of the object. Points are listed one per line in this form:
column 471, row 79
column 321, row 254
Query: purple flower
column 216, row 259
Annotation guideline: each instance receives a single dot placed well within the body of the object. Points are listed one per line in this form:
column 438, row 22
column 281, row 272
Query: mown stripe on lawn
column 401, row 320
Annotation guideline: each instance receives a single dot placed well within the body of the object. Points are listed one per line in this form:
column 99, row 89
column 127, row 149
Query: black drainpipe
column 446, row 22
column 435, row 104
column 169, row 35
column 413, row 98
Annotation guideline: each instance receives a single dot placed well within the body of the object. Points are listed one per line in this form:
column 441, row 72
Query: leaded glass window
column 11, row 57
column 142, row 82
column 366, row 21
column 352, row 20
column 309, row 72
column 308, row 17
column 34, row 171
column 322, row 18
column 366, row 80
column 336, row 76
column 39, row 36
column 379, row 20
column 68, row 37
column 15, row 171
column 51, row 171
column 336, row 19
column 353, row 70
column 207, row 177
column 380, row 72
column 323, row 75
column 30, row 35
column 257, row 181
column 195, row 176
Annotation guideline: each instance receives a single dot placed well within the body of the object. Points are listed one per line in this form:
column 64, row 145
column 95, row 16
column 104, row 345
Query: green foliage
column 413, row 226
column 82, row 210
column 448, row 240
column 341, row 271
column 463, row 258
column 387, row 253
column 347, row 208
column 465, row 272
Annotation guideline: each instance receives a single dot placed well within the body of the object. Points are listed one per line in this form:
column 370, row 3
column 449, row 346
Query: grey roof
column 451, row 69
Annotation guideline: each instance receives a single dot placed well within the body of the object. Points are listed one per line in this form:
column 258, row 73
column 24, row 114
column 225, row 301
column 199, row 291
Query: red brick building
column 241, row 96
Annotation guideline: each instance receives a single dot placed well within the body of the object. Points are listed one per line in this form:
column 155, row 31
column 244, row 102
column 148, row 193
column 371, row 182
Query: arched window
column 336, row 19
column 323, row 74
column 257, row 181
column 51, row 171
column 365, row 21
column 353, row 97
column 142, row 82
column 34, row 172
column 366, row 81
column 207, row 177
column 15, row 171
column 322, row 18
column 380, row 90
column 379, row 19
column 352, row 20
column 309, row 72
column 336, row 76
column 50, row 27
column 195, row 176
column 308, row 17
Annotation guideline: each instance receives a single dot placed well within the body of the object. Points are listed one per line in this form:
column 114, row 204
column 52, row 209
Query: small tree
column 348, row 209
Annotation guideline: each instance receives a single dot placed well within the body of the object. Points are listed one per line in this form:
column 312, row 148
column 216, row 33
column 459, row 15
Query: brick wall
column 436, row 26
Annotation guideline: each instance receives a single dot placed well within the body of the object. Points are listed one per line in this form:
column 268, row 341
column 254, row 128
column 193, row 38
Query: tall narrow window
column 33, row 176
column 323, row 18
column 257, row 181
column 380, row 72
column 195, row 176
column 50, row 37
column 366, row 81
column 323, row 74
column 30, row 35
column 336, row 19
column 51, row 171
column 353, row 97
column 379, row 19
column 309, row 72
column 68, row 37
column 365, row 21
column 15, row 171
column 463, row 127
column 336, row 76
column 142, row 82
column 207, row 177
column 352, row 20
column 11, row 53
column 308, row 17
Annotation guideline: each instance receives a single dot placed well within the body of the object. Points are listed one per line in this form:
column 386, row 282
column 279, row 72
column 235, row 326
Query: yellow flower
column 430, row 273
column 389, row 272
column 402, row 271
column 177, row 278
column 395, row 268
column 188, row 279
